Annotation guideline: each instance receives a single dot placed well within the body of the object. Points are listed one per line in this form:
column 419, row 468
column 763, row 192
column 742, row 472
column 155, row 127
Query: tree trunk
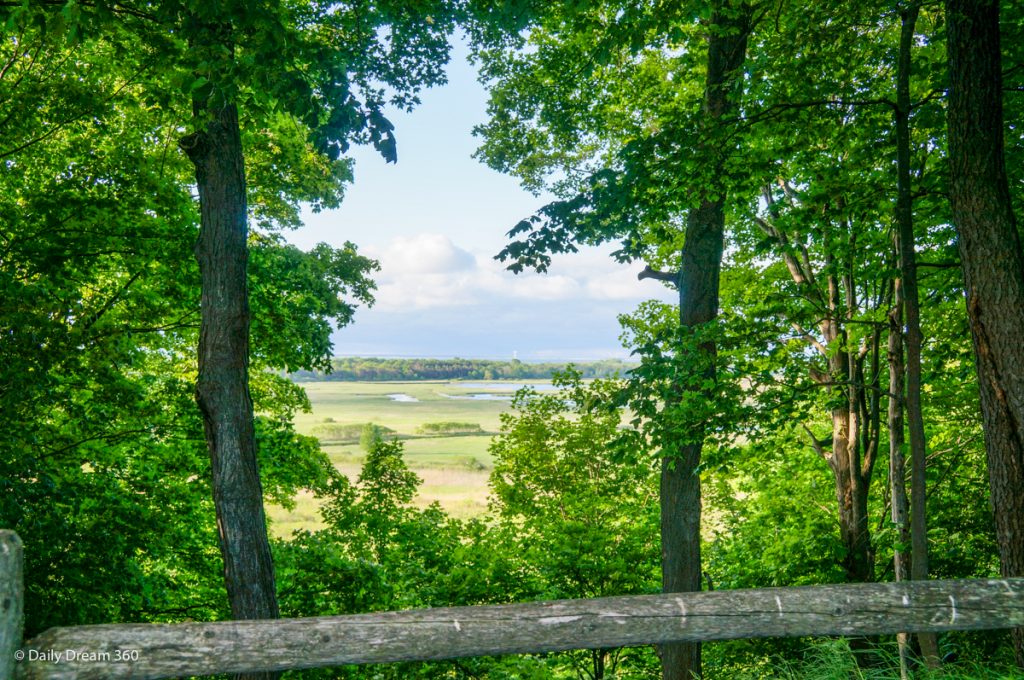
column 912, row 307
column 897, row 462
column 222, row 390
column 992, row 260
column 598, row 656
column 851, row 471
column 851, row 496
column 701, row 261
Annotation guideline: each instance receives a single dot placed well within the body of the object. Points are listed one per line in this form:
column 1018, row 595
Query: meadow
column 454, row 467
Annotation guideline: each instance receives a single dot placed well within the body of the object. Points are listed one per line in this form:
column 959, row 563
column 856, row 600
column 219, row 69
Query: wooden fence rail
column 143, row 651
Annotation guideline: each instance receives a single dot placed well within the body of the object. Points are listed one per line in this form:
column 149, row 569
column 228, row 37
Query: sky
column 435, row 221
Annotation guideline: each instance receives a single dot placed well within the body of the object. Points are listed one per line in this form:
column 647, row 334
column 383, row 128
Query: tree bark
column 912, row 308
column 851, row 465
column 700, row 265
column 897, row 461
column 222, row 390
column 992, row 260
column 851, row 493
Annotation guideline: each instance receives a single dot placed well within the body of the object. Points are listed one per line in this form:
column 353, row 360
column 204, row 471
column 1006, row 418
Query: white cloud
column 429, row 271
column 423, row 254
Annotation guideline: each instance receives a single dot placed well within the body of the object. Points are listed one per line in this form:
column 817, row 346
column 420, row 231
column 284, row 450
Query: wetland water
column 505, row 386
column 504, row 390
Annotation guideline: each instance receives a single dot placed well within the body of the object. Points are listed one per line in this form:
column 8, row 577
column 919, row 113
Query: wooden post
column 151, row 651
column 11, row 600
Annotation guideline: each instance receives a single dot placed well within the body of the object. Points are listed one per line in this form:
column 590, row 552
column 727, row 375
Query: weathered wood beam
column 149, row 651
column 11, row 600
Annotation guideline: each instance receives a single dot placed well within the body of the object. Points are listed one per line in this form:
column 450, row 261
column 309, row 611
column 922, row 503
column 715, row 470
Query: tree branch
column 817, row 444
column 814, row 342
column 668, row 277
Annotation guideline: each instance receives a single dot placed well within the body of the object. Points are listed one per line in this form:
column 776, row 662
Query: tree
column 370, row 436
column 818, row 209
column 827, row 233
column 992, row 260
column 225, row 42
column 230, row 54
column 698, row 281
column 663, row 192
column 96, row 192
column 909, row 299
column 577, row 499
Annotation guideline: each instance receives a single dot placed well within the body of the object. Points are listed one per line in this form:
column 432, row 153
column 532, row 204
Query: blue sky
column 435, row 220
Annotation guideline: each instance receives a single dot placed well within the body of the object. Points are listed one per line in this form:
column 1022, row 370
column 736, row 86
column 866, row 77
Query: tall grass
column 834, row 660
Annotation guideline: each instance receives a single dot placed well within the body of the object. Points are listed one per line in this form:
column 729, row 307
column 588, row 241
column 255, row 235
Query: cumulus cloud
column 424, row 254
column 429, row 271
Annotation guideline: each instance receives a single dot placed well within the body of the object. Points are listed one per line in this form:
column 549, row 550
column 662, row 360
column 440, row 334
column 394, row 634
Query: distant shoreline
column 373, row 369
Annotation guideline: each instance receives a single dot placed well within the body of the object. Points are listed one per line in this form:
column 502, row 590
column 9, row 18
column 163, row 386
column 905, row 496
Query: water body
column 484, row 396
column 506, row 386
column 505, row 390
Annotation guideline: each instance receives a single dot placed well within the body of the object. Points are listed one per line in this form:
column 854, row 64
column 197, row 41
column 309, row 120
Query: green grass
column 369, row 402
column 834, row 660
column 305, row 515
column 454, row 467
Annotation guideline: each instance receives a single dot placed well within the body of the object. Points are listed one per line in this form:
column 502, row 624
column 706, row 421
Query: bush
column 449, row 427
column 371, row 435
column 349, row 434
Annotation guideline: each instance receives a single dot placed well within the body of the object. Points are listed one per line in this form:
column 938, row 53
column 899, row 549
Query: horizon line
column 481, row 357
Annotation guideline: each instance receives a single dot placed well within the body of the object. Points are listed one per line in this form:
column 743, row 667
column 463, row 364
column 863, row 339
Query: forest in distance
column 828, row 192
column 374, row 369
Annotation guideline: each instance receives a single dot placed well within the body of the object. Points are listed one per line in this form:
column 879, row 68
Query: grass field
column 454, row 469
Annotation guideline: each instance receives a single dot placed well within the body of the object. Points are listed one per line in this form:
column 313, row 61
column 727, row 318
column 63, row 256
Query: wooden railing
column 143, row 651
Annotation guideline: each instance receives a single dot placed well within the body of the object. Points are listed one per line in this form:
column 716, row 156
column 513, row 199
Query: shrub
column 348, row 434
column 448, row 427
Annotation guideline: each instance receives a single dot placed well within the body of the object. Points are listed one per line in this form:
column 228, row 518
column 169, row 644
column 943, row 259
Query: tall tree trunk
column 851, row 496
column 852, row 487
column 222, row 390
column 897, row 461
column 912, row 307
column 701, row 261
column 851, row 471
column 992, row 260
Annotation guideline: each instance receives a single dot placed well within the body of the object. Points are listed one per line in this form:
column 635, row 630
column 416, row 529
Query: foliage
column 299, row 297
column 556, row 480
column 449, row 427
column 370, row 437
column 103, row 469
column 102, row 464
column 584, row 522
column 350, row 433
column 378, row 552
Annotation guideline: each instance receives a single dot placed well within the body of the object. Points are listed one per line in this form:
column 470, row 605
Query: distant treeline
column 360, row 368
